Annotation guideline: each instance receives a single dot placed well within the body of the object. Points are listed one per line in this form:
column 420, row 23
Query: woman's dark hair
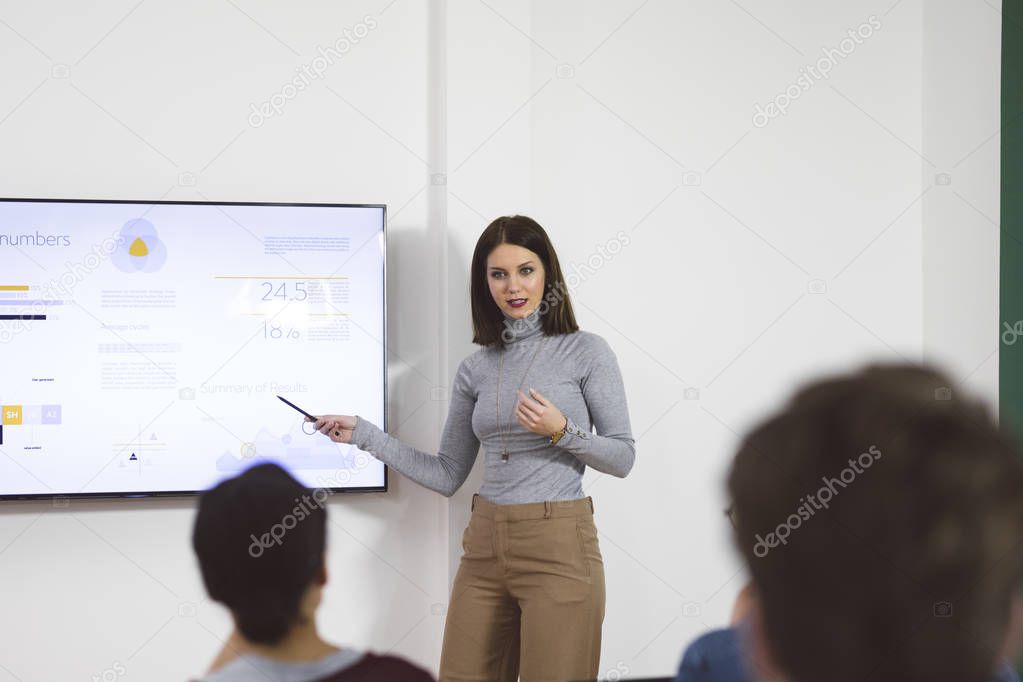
column 555, row 309
column 260, row 539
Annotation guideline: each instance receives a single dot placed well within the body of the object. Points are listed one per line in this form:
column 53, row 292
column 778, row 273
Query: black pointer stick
column 293, row 405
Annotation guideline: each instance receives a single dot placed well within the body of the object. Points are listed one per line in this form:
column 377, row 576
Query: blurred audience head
column 881, row 517
column 260, row 539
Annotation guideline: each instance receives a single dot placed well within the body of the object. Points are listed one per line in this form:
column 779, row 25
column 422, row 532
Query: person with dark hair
column 881, row 518
column 260, row 539
column 528, row 598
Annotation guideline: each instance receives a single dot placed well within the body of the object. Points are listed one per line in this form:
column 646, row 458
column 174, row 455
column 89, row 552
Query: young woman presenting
column 528, row 598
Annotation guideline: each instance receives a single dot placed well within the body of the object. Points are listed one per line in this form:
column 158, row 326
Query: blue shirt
column 717, row 657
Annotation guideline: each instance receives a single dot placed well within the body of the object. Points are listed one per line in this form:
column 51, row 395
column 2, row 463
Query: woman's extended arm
column 447, row 470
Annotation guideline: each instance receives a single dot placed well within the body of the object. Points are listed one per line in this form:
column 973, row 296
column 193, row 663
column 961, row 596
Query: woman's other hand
column 539, row 415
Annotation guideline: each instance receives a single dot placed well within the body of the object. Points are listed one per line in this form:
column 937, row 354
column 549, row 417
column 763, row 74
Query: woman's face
column 516, row 278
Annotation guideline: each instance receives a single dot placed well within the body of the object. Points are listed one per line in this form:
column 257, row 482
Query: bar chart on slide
column 16, row 304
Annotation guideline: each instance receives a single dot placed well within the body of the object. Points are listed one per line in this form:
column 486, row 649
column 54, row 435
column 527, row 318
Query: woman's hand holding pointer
column 337, row 427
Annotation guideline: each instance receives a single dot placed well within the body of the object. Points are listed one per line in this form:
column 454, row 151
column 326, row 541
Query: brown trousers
column 528, row 597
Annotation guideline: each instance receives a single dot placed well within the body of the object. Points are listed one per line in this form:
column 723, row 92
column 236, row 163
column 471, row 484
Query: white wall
column 640, row 119
column 168, row 91
column 594, row 118
column 729, row 224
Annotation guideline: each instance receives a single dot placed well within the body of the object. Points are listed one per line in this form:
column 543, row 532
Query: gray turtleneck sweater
column 576, row 372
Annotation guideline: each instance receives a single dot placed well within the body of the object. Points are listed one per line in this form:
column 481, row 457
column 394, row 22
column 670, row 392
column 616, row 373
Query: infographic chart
column 142, row 345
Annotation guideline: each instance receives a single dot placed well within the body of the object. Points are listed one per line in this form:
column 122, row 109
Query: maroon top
column 373, row 668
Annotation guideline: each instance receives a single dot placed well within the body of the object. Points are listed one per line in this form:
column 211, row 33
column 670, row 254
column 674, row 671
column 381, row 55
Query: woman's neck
column 521, row 328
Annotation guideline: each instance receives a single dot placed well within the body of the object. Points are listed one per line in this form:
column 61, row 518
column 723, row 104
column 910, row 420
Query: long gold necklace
column 500, row 370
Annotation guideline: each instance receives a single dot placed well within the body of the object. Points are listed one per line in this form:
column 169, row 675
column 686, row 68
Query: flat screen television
column 143, row 344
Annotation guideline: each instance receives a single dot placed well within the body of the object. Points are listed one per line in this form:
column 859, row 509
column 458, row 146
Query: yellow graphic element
column 138, row 248
column 13, row 287
column 12, row 415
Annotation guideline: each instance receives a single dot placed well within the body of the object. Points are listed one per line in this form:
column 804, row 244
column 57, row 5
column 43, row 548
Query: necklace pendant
column 504, row 456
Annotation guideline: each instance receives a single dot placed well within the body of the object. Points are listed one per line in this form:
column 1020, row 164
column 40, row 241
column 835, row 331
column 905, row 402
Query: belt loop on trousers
column 547, row 510
column 474, row 496
column 590, row 499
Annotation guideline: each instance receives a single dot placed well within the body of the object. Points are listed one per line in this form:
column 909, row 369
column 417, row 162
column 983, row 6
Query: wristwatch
column 557, row 436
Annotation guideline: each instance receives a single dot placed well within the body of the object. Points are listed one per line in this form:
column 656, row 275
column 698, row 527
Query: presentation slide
column 143, row 345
